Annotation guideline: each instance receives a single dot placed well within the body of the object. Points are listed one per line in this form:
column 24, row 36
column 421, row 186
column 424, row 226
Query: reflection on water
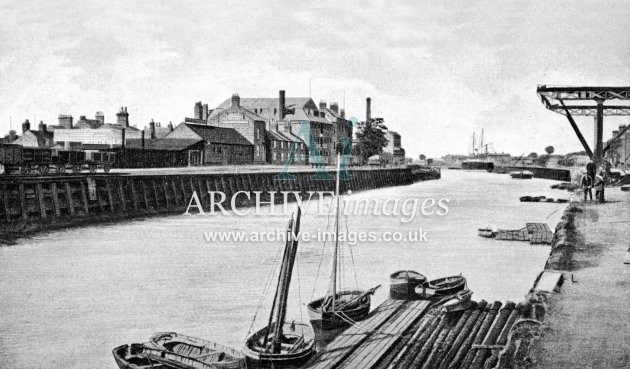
column 67, row 298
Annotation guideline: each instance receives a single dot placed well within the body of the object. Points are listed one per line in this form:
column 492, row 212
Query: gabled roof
column 278, row 136
column 222, row 135
column 87, row 123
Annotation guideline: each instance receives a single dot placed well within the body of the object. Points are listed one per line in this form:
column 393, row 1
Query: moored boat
column 461, row 301
column 403, row 283
column 133, row 357
column 522, row 174
column 197, row 349
column 486, row 232
column 447, row 285
column 340, row 307
column 279, row 344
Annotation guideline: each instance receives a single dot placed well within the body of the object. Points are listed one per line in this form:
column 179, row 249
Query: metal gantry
column 587, row 101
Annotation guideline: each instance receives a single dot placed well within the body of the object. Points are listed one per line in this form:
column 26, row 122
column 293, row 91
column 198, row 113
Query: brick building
column 619, row 153
column 221, row 145
column 32, row 138
column 247, row 123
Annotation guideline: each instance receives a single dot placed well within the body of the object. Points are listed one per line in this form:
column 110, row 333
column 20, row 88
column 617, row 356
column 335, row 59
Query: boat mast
column 333, row 276
column 285, row 281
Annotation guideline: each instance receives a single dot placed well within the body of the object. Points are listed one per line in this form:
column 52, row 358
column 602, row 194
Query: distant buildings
column 619, row 152
column 259, row 130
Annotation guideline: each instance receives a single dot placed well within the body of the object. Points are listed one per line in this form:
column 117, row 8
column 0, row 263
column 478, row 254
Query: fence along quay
column 30, row 203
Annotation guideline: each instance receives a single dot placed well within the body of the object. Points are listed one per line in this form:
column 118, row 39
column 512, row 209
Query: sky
column 436, row 71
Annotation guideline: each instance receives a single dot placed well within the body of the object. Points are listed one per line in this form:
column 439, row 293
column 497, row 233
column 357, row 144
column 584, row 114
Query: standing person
column 599, row 187
column 587, row 185
column 590, row 170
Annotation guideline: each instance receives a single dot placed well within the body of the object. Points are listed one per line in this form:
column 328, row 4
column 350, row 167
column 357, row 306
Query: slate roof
column 280, row 136
column 117, row 126
column 212, row 134
column 296, row 106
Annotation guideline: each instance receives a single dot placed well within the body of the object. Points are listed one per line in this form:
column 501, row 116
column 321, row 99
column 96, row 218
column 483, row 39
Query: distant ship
column 480, row 155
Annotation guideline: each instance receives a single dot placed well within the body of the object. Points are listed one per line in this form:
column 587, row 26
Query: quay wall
column 558, row 174
column 30, row 204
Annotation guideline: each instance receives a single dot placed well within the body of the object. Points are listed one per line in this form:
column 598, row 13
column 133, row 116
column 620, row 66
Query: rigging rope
column 265, row 290
column 321, row 259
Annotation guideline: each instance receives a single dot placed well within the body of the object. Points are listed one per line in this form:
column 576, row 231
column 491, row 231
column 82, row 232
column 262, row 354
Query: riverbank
column 588, row 324
column 30, row 204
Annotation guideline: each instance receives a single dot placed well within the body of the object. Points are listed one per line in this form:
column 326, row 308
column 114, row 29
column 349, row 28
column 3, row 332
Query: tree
column 423, row 157
column 549, row 150
column 371, row 138
column 532, row 155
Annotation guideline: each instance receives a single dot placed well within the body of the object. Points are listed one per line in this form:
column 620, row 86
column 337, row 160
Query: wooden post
column 98, row 197
column 40, row 200
column 109, row 194
column 167, row 198
column 134, row 194
column 185, row 197
column 23, row 201
column 155, row 194
column 174, row 188
column 69, row 197
column 5, row 202
column 84, row 197
column 121, row 194
column 55, row 198
column 147, row 205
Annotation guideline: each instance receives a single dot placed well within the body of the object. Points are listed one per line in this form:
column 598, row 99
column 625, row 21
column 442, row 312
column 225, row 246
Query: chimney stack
column 204, row 112
column 322, row 104
column 142, row 138
column 151, row 129
column 12, row 136
column 198, row 110
column 122, row 117
column 342, row 112
column 281, row 104
column 26, row 126
column 42, row 126
column 65, row 121
column 170, row 126
column 100, row 117
column 368, row 111
column 334, row 107
column 236, row 101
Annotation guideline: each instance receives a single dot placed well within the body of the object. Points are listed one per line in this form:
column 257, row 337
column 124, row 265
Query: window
column 257, row 134
column 257, row 150
column 274, row 155
column 274, row 144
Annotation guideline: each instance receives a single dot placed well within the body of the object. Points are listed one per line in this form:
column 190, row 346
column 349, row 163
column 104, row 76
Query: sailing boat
column 339, row 308
column 478, row 156
column 281, row 344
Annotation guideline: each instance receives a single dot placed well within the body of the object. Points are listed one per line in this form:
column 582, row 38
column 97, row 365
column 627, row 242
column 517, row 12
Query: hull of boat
column 448, row 285
column 478, row 165
column 327, row 321
column 196, row 349
column 402, row 285
column 128, row 357
column 289, row 357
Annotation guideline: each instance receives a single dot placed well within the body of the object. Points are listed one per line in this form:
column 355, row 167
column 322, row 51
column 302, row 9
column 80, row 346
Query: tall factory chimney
column 152, row 129
column 368, row 111
column 281, row 104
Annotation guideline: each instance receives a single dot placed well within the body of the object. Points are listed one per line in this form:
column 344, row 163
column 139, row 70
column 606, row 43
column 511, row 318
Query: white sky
column 436, row 70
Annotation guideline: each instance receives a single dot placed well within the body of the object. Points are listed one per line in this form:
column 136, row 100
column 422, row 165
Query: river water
column 68, row 297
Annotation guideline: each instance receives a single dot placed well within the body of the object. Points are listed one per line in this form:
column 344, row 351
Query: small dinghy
column 196, row 349
column 448, row 285
column 486, row 232
column 461, row 301
column 402, row 285
column 133, row 357
column 522, row 174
